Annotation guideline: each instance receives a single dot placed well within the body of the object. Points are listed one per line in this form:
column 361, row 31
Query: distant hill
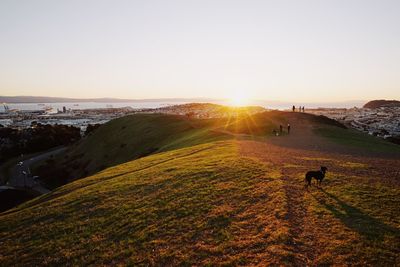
column 208, row 110
column 382, row 103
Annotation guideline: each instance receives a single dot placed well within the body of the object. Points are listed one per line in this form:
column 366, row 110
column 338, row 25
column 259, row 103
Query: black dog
column 318, row 175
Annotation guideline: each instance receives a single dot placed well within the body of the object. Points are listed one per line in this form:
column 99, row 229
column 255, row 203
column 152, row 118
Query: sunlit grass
column 184, row 206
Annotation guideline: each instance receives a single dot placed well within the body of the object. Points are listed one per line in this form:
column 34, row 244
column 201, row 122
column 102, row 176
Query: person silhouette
column 303, row 108
column 293, row 108
column 288, row 128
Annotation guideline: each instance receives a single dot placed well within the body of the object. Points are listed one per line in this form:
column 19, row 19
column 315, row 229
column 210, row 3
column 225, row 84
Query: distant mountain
column 382, row 103
column 46, row 99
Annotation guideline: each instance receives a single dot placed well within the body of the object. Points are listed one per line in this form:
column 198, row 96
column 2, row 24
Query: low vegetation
column 355, row 139
column 14, row 142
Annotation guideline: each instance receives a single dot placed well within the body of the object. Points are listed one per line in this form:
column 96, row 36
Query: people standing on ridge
column 303, row 108
column 288, row 128
column 293, row 108
column 280, row 129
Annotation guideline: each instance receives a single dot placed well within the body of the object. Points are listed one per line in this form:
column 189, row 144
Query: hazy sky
column 273, row 50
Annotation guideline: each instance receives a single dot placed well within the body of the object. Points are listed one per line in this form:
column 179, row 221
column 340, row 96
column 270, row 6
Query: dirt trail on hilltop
column 302, row 136
column 302, row 238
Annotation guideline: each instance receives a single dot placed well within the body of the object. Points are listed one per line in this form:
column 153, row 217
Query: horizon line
column 179, row 99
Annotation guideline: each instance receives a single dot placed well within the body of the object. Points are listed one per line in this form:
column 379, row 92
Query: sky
column 271, row 50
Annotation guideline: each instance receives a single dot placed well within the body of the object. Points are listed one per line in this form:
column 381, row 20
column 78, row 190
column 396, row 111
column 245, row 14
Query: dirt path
column 296, row 215
column 301, row 136
column 302, row 236
column 323, row 237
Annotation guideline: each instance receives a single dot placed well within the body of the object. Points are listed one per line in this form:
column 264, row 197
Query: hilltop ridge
column 140, row 135
column 382, row 103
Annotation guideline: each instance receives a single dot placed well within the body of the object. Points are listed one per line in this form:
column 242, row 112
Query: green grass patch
column 125, row 139
column 356, row 139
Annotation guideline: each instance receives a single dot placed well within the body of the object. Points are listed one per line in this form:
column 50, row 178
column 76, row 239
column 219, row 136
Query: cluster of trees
column 91, row 127
column 39, row 137
column 63, row 167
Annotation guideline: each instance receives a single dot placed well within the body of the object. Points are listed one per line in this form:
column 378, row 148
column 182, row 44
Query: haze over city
column 269, row 50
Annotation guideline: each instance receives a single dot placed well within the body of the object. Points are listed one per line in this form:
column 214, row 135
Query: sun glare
column 238, row 99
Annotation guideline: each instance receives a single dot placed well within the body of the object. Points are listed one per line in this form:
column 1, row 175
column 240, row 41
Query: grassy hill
column 140, row 135
column 355, row 139
column 220, row 203
column 213, row 195
column 125, row 139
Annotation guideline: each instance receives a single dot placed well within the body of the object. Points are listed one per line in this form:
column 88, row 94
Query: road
column 21, row 176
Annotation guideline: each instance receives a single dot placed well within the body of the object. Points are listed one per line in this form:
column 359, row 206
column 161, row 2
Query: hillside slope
column 125, row 139
column 220, row 203
column 140, row 135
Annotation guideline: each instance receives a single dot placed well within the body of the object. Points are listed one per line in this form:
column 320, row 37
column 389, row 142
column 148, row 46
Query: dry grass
column 206, row 204
column 352, row 220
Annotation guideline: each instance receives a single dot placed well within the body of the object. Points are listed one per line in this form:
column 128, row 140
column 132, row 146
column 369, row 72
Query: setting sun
column 239, row 99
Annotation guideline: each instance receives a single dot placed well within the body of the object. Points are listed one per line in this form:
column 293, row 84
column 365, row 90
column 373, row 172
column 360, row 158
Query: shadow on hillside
column 57, row 193
column 367, row 226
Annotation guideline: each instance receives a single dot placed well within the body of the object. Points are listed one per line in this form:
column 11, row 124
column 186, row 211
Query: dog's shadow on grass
column 367, row 226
